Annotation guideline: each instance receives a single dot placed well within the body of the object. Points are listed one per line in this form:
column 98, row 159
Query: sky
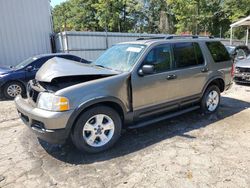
column 56, row 2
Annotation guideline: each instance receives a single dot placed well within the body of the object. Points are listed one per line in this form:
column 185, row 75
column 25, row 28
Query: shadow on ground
column 137, row 139
column 243, row 84
column 4, row 99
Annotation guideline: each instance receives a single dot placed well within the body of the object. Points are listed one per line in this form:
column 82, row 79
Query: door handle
column 171, row 77
column 204, row 69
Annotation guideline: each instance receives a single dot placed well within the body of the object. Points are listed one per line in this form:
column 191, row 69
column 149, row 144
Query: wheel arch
column 18, row 81
column 3, row 86
column 218, row 81
column 112, row 102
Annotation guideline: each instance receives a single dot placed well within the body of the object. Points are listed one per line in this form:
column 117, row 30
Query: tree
column 84, row 15
column 61, row 16
column 117, row 15
column 236, row 10
column 157, row 17
column 152, row 16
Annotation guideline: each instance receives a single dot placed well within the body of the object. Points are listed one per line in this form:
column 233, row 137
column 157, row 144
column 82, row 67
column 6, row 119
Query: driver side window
column 160, row 57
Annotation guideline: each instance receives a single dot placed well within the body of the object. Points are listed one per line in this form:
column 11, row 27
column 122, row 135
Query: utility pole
column 197, row 16
column 220, row 31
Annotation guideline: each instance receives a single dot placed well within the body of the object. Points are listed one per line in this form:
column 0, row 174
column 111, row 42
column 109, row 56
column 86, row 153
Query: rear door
column 190, row 69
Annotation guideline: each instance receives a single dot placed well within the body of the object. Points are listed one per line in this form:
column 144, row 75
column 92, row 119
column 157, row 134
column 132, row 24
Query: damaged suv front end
column 50, row 103
column 63, row 89
column 242, row 71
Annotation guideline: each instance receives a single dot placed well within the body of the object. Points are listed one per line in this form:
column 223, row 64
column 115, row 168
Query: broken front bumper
column 47, row 125
column 242, row 77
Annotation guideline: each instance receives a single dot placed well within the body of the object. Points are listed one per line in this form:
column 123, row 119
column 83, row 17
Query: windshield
column 120, row 57
column 25, row 62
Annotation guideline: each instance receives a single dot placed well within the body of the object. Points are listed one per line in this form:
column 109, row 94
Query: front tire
column 97, row 129
column 12, row 89
column 210, row 100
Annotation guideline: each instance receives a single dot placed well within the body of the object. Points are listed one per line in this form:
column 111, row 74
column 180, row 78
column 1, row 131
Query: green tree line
column 211, row 17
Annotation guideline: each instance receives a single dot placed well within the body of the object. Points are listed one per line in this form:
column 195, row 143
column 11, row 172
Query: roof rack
column 148, row 38
column 176, row 36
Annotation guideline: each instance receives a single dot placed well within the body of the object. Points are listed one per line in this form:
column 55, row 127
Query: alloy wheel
column 212, row 100
column 98, row 130
column 14, row 90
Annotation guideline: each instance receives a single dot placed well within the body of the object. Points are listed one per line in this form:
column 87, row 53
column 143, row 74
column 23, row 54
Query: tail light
column 232, row 70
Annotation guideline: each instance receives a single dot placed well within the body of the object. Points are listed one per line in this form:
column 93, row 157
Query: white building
column 25, row 29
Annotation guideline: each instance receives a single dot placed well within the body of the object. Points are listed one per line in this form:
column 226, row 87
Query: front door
column 152, row 90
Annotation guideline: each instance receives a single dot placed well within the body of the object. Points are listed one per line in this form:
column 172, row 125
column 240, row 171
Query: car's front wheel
column 210, row 100
column 97, row 129
column 12, row 89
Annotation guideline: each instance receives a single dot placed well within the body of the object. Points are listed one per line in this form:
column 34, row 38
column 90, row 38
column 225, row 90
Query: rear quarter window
column 218, row 51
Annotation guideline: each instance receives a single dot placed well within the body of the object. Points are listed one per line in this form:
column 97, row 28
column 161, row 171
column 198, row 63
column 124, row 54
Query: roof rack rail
column 188, row 36
column 175, row 36
column 148, row 38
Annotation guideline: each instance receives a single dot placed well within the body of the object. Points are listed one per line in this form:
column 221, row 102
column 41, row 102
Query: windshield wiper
column 104, row 67
column 107, row 68
column 101, row 66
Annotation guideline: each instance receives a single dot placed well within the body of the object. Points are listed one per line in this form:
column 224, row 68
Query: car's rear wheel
column 12, row 89
column 97, row 129
column 210, row 100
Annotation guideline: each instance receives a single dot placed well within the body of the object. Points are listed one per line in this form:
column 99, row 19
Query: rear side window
column 218, row 51
column 187, row 54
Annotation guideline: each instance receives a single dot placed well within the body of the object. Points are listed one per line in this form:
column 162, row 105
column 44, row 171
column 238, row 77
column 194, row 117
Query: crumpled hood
column 243, row 63
column 60, row 67
column 5, row 70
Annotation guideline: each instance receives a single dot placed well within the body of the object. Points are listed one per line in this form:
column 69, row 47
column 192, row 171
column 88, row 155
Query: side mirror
column 29, row 68
column 146, row 69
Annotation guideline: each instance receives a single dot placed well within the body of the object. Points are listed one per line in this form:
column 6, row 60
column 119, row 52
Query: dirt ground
column 189, row 151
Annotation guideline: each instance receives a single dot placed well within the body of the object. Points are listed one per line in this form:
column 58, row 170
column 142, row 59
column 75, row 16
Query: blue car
column 13, row 80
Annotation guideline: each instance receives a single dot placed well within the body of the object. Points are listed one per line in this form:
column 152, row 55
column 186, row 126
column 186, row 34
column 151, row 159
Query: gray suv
column 131, row 85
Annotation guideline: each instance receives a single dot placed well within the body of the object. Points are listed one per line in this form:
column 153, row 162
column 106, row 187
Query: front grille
column 241, row 70
column 32, row 93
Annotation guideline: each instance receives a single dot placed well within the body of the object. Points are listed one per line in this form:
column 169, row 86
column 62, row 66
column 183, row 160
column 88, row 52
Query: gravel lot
column 189, row 151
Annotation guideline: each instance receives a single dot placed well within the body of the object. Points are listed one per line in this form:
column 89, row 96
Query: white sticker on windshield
column 134, row 49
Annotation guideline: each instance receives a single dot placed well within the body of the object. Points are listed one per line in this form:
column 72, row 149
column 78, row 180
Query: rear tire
column 211, row 100
column 97, row 129
column 12, row 89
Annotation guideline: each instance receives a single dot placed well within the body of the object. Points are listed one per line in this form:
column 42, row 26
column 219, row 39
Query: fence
column 89, row 45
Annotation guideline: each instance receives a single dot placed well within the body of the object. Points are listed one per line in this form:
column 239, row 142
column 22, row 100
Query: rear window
column 218, row 51
column 187, row 54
